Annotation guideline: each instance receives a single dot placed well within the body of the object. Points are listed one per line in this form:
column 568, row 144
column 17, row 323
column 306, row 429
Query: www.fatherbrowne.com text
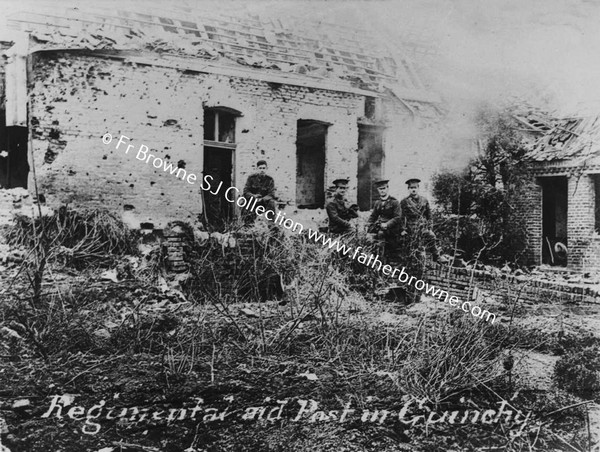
column 233, row 195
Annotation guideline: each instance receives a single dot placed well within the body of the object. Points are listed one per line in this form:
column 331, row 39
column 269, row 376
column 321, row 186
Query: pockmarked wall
column 414, row 145
column 76, row 98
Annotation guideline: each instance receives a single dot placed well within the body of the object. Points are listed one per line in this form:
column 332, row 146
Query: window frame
column 217, row 111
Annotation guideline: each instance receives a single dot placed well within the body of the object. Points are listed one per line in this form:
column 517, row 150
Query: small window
column 164, row 20
column 193, row 27
column 219, row 125
column 209, row 125
column 226, row 128
column 370, row 108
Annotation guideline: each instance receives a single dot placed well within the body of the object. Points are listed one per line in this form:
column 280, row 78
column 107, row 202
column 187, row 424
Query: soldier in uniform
column 261, row 187
column 416, row 223
column 339, row 209
column 384, row 222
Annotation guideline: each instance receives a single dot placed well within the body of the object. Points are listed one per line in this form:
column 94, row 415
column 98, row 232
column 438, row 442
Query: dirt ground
column 120, row 364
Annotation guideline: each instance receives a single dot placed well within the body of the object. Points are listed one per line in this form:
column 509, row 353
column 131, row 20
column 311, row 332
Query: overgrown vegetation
column 479, row 204
column 154, row 338
column 77, row 238
column 450, row 356
column 579, row 373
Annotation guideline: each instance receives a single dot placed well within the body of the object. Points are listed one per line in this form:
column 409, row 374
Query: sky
column 545, row 51
column 539, row 50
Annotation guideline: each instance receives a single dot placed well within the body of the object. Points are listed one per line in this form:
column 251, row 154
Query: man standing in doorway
column 416, row 224
column 384, row 222
column 261, row 187
column 339, row 209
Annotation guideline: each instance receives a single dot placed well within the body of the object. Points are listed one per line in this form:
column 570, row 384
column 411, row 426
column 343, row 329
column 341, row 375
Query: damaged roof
column 567, row 139
column 316, row 48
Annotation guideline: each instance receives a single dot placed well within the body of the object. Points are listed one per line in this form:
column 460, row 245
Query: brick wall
column 75, row 99
column 528, row 209
column 530, row 290
column 580, row 222
column 468, row 285
column 583, row 243
column 591, row 256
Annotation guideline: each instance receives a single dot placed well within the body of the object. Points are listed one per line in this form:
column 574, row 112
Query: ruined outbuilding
column 563, row 207
column 212, row 93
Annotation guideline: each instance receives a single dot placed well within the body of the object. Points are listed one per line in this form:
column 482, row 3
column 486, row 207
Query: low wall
column 457, row 281
column 463, row 283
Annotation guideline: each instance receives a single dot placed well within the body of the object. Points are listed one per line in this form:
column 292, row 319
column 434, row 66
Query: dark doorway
column 370, row 164
column 218, row 162
column 219, row 155
column 14, row 168
column 554, row 220
column 310, row 164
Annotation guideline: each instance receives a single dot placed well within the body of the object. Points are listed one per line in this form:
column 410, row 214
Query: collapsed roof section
column 576, row 140
column 322, row 50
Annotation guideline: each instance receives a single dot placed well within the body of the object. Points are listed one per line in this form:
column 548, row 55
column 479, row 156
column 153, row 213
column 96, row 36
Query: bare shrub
column 254, row 269
column 57, row 327
column 450, row 355
column 78, row 238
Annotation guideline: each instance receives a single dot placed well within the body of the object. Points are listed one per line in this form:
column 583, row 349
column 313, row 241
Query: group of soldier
column 400, row 228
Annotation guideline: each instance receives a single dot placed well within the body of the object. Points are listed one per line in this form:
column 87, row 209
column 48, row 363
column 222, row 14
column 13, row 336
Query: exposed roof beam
column 212, row 67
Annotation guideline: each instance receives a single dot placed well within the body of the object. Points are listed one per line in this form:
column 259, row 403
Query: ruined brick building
column 210, row 93
column 563, row 206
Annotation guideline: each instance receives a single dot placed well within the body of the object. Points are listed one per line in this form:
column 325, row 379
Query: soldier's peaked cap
column 341, row 181
column 414, row 180
column 380, row 182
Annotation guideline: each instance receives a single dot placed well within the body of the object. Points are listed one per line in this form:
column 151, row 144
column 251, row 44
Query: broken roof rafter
column 529, row 126
column 576, row 140
column 192, row 12
column 364, row 58
column 329, row 50
column 298, row 39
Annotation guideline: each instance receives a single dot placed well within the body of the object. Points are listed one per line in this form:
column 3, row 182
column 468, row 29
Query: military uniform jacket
column 416, row 212
column 339, row 215
column 387, row 211
column 259, row 184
